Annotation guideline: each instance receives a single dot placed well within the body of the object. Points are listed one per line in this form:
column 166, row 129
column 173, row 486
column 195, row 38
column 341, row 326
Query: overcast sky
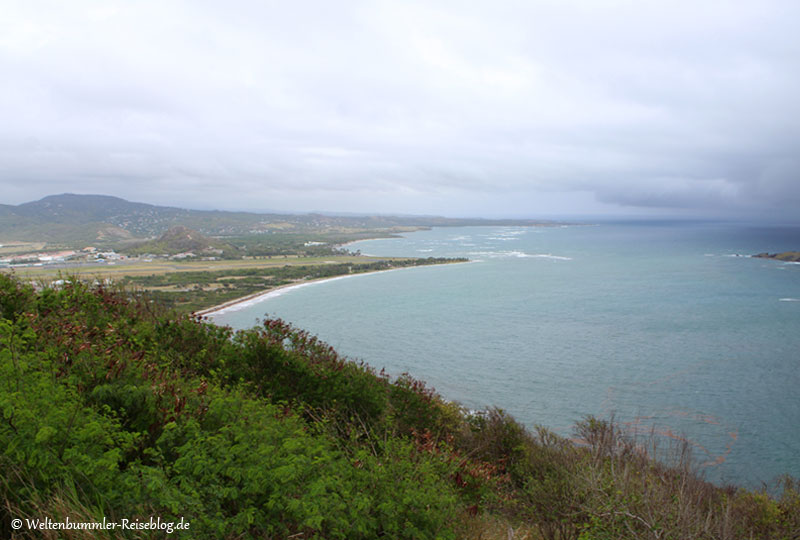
column 527, row 108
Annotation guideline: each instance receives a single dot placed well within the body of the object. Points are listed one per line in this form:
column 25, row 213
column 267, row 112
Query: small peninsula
column 786, row 256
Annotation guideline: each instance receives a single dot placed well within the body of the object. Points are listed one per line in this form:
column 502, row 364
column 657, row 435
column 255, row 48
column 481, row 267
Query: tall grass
column 614, row 484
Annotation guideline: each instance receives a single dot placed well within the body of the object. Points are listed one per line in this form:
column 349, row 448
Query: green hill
column 72, row 208
column 80, row 220
column 85, row 219
column 183, row 240
column 113, row 409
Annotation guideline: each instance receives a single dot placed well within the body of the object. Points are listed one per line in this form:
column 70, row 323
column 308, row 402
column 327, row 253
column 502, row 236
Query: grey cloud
column 442, row 107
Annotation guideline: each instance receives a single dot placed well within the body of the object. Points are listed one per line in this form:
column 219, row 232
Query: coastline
column 250, row 299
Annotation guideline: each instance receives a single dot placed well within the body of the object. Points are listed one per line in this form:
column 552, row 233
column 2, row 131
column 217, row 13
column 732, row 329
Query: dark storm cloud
column 438, row 107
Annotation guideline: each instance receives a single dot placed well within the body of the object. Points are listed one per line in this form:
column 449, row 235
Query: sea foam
column 518, row 254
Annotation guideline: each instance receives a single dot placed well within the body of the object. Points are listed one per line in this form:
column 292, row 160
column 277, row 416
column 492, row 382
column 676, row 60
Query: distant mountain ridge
column 98, row 211
column 72, row 218
column 94, row 207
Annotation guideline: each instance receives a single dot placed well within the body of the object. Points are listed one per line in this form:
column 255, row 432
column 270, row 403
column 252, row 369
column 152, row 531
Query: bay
column 668, row 326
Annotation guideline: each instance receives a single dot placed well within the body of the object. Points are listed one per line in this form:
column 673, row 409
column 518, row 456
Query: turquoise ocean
column 668, row 326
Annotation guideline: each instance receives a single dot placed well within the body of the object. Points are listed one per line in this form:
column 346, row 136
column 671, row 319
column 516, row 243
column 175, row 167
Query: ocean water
column 668, row 326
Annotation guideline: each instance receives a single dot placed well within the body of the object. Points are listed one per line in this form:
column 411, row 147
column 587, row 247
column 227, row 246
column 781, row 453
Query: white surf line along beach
column 255, row 298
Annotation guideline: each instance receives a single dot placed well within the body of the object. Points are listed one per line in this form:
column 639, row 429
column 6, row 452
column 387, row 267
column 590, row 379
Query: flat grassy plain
column 159, row 267
column 199, row 285
column 13, row 248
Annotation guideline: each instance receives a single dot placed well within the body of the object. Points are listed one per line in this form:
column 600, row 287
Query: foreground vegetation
column 113, row 407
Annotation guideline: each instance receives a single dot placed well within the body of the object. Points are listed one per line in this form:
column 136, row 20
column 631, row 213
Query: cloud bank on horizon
column 514, row 108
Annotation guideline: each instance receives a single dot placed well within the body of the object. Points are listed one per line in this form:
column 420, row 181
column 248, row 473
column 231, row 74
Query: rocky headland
column 788, row 256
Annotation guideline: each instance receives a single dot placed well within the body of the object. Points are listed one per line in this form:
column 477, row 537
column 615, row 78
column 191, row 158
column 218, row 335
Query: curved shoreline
column 250, row 299
column 253, row 298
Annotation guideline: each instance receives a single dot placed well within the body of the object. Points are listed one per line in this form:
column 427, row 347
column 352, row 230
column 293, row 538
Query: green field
column 193, row 286
column 140, row 268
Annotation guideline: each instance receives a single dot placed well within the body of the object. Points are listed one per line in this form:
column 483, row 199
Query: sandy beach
column 250, row 299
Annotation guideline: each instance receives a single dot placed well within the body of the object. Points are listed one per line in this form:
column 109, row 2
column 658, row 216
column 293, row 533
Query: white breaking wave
column 549, row 256
column 788, row 299
column 519, row 255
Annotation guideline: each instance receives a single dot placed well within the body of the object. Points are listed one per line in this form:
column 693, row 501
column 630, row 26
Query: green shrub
column 111, row 406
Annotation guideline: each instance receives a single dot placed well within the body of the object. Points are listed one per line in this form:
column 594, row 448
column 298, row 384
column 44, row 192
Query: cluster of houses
column 92, row 255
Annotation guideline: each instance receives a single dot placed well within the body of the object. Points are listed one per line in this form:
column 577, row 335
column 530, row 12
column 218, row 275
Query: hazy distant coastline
column 786, row 256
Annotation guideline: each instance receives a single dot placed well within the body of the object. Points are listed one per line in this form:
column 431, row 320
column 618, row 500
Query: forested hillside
column 115, row 408
column 77, row 220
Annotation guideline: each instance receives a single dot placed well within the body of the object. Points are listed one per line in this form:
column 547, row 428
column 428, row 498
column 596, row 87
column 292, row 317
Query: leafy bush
column 111, row 406
column 149, row 413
